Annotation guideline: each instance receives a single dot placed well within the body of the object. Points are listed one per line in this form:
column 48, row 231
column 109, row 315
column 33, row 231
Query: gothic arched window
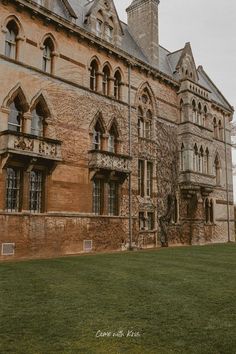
column 194, row 111
column 48, row 55
column 11, row 39
column 93, row 75
column 217, row 170
column 105, row 81
column 97, row 136
column 112, row 139
column 145, row 116
column 140, row 123
column 16, row 112
column 38, row 118
column 117, row 85
column 215, row 128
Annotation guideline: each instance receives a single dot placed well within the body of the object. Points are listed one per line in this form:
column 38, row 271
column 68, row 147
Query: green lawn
column 179, row 300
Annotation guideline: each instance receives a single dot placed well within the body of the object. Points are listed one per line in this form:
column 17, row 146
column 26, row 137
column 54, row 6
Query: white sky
column 210, row 27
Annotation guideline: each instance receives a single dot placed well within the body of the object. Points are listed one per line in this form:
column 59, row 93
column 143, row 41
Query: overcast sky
column 210, row 27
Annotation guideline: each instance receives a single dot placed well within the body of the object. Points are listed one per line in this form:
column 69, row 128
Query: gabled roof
column 216, row 95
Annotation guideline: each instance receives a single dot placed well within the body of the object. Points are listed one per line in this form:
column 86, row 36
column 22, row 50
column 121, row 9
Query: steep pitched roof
column 216, row 95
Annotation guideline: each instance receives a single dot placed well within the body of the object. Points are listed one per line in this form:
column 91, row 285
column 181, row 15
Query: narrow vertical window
column 112, row 139
column 15, row 116
column 141, row 178
column 97, row 134
column 149, row 179
column 148, row 124
column 97, row 197
column 117, row 85
column 99, row 25
column 140, row 123
column 113, row 198
column 47, row 55
column 141, row 221
column 194, row 111
column 13, row 184
column 150, row 221
column 182, row 158
column 93, row 75
column 105, row 81
column 37, row 121
column 35, row 197
column 11, row 40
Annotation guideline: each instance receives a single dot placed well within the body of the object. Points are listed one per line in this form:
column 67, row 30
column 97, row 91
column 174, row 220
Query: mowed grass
column 179, row 300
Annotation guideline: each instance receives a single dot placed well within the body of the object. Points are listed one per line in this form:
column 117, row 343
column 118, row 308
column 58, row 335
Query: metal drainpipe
column 227, row 183
column 130, row 155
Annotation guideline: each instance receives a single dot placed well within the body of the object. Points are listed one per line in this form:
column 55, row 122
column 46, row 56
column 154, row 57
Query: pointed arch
column 51, row 37
column 16, row 91
column 98, row 118
column 46, row 107
column 95, row 59
column 146, row 87
column 114, row 123
column 14, row 18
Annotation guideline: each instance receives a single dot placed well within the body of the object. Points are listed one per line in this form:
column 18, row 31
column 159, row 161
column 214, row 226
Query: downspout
column 130, row 155
column 227, row 183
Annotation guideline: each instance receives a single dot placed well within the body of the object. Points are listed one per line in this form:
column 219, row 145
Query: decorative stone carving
column 25, row 144
column 108, row 161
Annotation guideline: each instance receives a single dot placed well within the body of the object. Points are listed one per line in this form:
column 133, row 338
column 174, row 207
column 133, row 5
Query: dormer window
column 109, row 33
column 99, row 28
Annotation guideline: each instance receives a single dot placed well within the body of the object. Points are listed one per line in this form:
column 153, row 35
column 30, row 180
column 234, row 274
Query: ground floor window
column 113, row 198
column 146, row 221
column 97, row 196
column 209, row 211
column 36, row 189
column 13, row 189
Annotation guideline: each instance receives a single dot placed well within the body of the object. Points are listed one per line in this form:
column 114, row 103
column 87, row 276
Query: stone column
column 26, row 124
column 99, row 81
column 4, row 119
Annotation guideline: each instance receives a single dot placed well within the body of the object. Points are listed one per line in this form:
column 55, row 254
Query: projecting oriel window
column 36, row 189
column 13, row 185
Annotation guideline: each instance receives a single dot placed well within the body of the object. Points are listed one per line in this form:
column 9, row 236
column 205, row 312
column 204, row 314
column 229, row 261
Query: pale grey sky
column 210, row 27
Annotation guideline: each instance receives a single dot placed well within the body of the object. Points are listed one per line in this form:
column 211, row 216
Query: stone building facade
column 105, row 134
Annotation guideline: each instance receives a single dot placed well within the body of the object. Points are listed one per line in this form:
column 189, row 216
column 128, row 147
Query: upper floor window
column 97, row 137
column 48, row 56
column 13, row 188
column 117, row 85
column 99, row 24
column 15, row 119
column 217, row 170
column 140, row 123
column 109, row 33
column 182, row 158
column 145, row 116
column 11, row 40
column 194, row 111
column 112, row 139
column 105, row 81
column 149, row 179
column 93, row 75
column 37, row 121
column 181, row 111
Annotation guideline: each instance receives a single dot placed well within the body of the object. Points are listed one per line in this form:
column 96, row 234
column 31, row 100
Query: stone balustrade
column 29, row 145
column 109, row 161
